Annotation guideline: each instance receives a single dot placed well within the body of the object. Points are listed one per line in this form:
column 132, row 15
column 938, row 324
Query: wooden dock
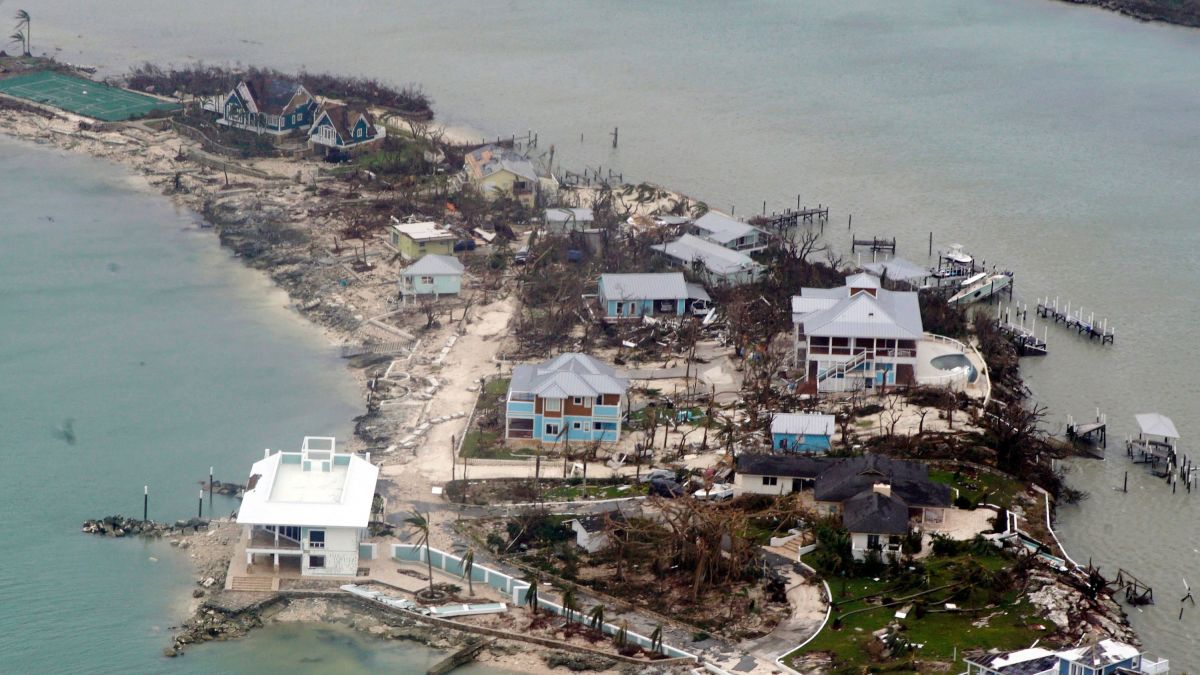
column 1090, row 432
column 1088, row 326
column 798, row 216
column 1136, row 592
column 874, row 244
column 1011, row 322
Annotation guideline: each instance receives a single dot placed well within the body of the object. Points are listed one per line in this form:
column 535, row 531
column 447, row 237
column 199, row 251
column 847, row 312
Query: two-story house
column 495, row 170
column 1106, row 657
column 572, row 397
column 414, row 240
column 632, row 296
column 267, row 105
column 343, row 129
column 858, row 336
column 308, row 510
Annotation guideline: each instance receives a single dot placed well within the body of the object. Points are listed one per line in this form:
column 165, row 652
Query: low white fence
column 518, row 590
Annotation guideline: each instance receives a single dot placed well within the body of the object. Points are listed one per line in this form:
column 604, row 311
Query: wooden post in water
column 614, row 135
column 797, row 202
column 764, row 207
column 931, row 243
column 1125, row 488
column 145, row 502
column 200, row 505
column 210, row 491
column 849, row 220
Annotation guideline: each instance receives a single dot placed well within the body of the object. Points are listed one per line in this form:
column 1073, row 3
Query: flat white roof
column 422, row 231
column 314, row 488
column 1154, row 424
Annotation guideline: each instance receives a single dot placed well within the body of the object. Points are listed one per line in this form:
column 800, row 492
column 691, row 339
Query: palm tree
column 656, row 638
column 23, row 21
column 420, row 525
column 468, row 566
column 569, row 603
column 531, row 596
column 621, row 637
column 18, row 36
column 596, row 617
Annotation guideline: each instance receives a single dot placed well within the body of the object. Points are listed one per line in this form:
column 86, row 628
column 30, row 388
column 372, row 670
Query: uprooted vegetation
column 201, row 79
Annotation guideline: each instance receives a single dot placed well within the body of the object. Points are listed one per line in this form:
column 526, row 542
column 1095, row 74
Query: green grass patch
column 943, row 633
column 578, row 492
column 998, row 489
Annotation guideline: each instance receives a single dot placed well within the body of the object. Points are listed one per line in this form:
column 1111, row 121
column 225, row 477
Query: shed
column 802, row 432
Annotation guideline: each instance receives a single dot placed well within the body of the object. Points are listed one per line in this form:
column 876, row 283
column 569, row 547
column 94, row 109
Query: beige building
column 495, row 171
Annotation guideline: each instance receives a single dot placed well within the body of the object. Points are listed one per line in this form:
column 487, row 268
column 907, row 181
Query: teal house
column 433, row 275
column 267, row 105
column 572, row 397
column 341, row 128
column 632, row 296
column 807, row 433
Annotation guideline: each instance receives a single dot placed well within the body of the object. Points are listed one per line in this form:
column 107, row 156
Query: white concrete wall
column 340, row 551
column 753, row 484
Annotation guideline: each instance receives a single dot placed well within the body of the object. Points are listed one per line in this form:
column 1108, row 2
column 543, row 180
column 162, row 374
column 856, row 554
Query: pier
column 1023, row 337
column 1136, row 592
column 875, row 245
column 798, row 216
column 1075, row 320
column 1090, row 432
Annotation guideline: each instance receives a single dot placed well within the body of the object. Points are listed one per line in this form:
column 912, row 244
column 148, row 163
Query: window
column 552, row 429
column 553, row 404
column 421, row 245
column 599, row 400
column 579, row 426
column 316, row 562
column 873, row 541
column 583, row 401
column 427, row 280
column 290, row 531
column 770, row 480
column 316, row 538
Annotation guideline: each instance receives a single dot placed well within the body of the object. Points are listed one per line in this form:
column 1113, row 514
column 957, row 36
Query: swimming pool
column 950, row 362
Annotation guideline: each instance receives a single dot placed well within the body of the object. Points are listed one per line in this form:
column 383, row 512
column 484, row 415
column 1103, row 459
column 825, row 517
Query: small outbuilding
column 802, row 432
column 435, row 275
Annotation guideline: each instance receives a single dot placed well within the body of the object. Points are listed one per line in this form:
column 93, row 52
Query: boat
column 980, row 287
column 960, row 263
column 957, row 256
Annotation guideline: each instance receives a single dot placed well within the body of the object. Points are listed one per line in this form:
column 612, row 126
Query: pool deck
column 934, row 346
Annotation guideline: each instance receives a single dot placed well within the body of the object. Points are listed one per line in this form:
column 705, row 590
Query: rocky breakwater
column 121, row 526
column 1082, row 610
column 228, row 616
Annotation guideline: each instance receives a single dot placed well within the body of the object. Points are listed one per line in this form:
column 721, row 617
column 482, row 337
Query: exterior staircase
column 254, row 584
column 845, row 366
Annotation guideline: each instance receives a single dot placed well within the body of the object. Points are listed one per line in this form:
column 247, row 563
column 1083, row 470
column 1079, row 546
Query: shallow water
column 1061, row 142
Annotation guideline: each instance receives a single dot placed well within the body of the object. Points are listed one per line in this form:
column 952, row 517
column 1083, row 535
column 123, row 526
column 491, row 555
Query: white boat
column 953, row 263
column 980, row 287
column 957, row 255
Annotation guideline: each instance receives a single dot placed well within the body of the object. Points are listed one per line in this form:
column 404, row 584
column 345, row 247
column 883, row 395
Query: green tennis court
column 82, row 97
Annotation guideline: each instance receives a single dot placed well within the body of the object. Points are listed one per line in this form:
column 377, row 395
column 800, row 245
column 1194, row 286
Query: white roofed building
column 714, row 262
column 858, row 336
column 572, row 397
column 309, row 508
column 729, row 232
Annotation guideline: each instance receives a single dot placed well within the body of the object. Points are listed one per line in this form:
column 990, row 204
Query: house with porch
column 266, row 105
column 339, row 129
column 711, row 261
column 632, row 296
column 728, row 232
column 572, row 397
column 433, row 275
column 858, row 336
column 495, row 170
column 308, row 510
column 1106, row 657
column 563, row 220
column 413, row 240
column 802, row 432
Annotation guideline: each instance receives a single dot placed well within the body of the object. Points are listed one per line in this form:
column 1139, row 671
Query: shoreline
column 1141, row 12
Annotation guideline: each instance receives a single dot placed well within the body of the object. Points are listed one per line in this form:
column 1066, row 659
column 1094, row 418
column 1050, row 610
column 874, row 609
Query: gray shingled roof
column 792, row 466
column 716, row 258
column 567, row 375
column 563, row 215
column 804, row 424
column 504, row 159
column 909, row 481
column 434, row 264
column 664, row 286
column 875, row 513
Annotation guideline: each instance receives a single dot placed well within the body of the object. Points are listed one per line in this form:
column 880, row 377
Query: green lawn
column 1000, row 491
column 943, row 633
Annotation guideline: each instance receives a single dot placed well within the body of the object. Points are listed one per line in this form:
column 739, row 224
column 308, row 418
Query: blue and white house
column 572, row 397
column 802, row 432
column 343, row 128
column 433, row 275
column 1106, row 657
column 266, row 106
column 728, row 232
column 632, row 296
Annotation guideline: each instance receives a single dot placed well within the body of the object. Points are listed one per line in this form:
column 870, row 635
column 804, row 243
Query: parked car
column 717, row 493
column 658, row 473
column 665, row 487
column 464, row 245
column 521, row 256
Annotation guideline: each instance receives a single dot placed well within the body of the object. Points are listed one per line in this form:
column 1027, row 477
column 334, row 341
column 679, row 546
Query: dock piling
column 145, row 503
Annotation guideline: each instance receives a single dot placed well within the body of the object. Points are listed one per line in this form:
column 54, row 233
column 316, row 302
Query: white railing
column 1155, row 667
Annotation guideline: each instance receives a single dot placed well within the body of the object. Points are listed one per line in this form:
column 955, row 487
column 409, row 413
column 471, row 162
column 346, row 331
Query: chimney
column 884, row 489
